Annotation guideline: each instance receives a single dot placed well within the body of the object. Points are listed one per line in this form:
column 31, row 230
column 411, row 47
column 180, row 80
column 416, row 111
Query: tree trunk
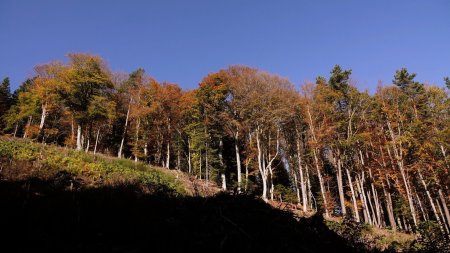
column 341, row 186
column 79, row 145
column 224, row 182
column 399, row 159
column 389, row 208
column 297, row 190
column 168, row 145
column 43, row 117
column 366, row 212
column 119, row 154
column 433, row 207
column 260, row 167
column 168, row 155
column 189, row 157
column 96, row 140
column 442, row 216
column 355, row 205
column 136, row 148
column 444, row 205
column 238, row 162
column 322, row 186
column 302, row 180
column 27, row 126
column 15, row 129
column 424, row 214
column 206, row 162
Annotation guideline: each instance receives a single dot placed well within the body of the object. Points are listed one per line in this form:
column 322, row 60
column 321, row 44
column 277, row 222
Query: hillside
column 61, row 200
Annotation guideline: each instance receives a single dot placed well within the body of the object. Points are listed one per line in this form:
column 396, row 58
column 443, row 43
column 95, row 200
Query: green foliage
column 94, row 170
column 431, row 238
column 447, row 82
column 286, row 193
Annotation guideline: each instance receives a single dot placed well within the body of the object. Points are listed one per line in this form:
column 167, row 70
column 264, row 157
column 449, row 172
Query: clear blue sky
column 181, row 41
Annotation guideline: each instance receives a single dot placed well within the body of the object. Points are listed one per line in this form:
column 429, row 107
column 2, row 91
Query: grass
column 21, row 159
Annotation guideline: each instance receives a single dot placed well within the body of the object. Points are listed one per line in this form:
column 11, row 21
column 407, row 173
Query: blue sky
column 182, row 41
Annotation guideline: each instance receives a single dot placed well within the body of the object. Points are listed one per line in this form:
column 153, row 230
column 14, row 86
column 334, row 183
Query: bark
column 322, row 186
column 366, row 212
column 119, row 154
column 15, row 130
column 444, row 205
column 316, row 162
column 433, row 207
column 246, row 175
column 206, row 162
column 224, row 182
column 424, row 214
column 43, row 117
column 79, row 145
column 442, row 216
column 168, row 155
column 262, row 170
column 399, row 159
column 297, row 190
column 238, row 162
column 189, row 157
column 302, row 180
column 389, row 208
column 136, row 148
column 340, row 186
column 355, row 205
column 96, row 140
column 27, row 126
column 168, row 146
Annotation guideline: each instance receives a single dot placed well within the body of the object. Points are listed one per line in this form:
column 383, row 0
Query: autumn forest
column 324, row 146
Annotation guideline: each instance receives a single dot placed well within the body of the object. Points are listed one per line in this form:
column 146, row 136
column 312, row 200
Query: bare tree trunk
column 433, row 207
column 43, row 117
column 88, row 143
column 119, row 154
column 261, row 168
column 96, row 140
column 246, row 175
column 238, row 162
column 310, row 194
column 389, row 208
column 442, row 216
column 444, row 205
column 375, row 197
column 206, row 162
column 224, row 182
column 316, row 161
column 374, row 218
column 27, row 126
column 297, row 190
column 178, row 159
column 79, row 145
column 302, row 180
column 189, row 157
column 355, row 205
column 322, row 187
column 136, row 148
column 366, row 212
column 424, row 214
column 200, row 167
column 340, row 185
column 168, row 155
column 399, row 159
column 15, row 129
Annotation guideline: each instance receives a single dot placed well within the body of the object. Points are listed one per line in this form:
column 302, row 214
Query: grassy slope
column 56, row 199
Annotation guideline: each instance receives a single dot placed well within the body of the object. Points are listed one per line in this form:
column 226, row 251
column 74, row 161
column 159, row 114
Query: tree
column 86, row 77
column 5, row 99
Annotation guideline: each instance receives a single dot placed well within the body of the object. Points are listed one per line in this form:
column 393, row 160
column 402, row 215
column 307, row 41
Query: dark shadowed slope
column 44, row 215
